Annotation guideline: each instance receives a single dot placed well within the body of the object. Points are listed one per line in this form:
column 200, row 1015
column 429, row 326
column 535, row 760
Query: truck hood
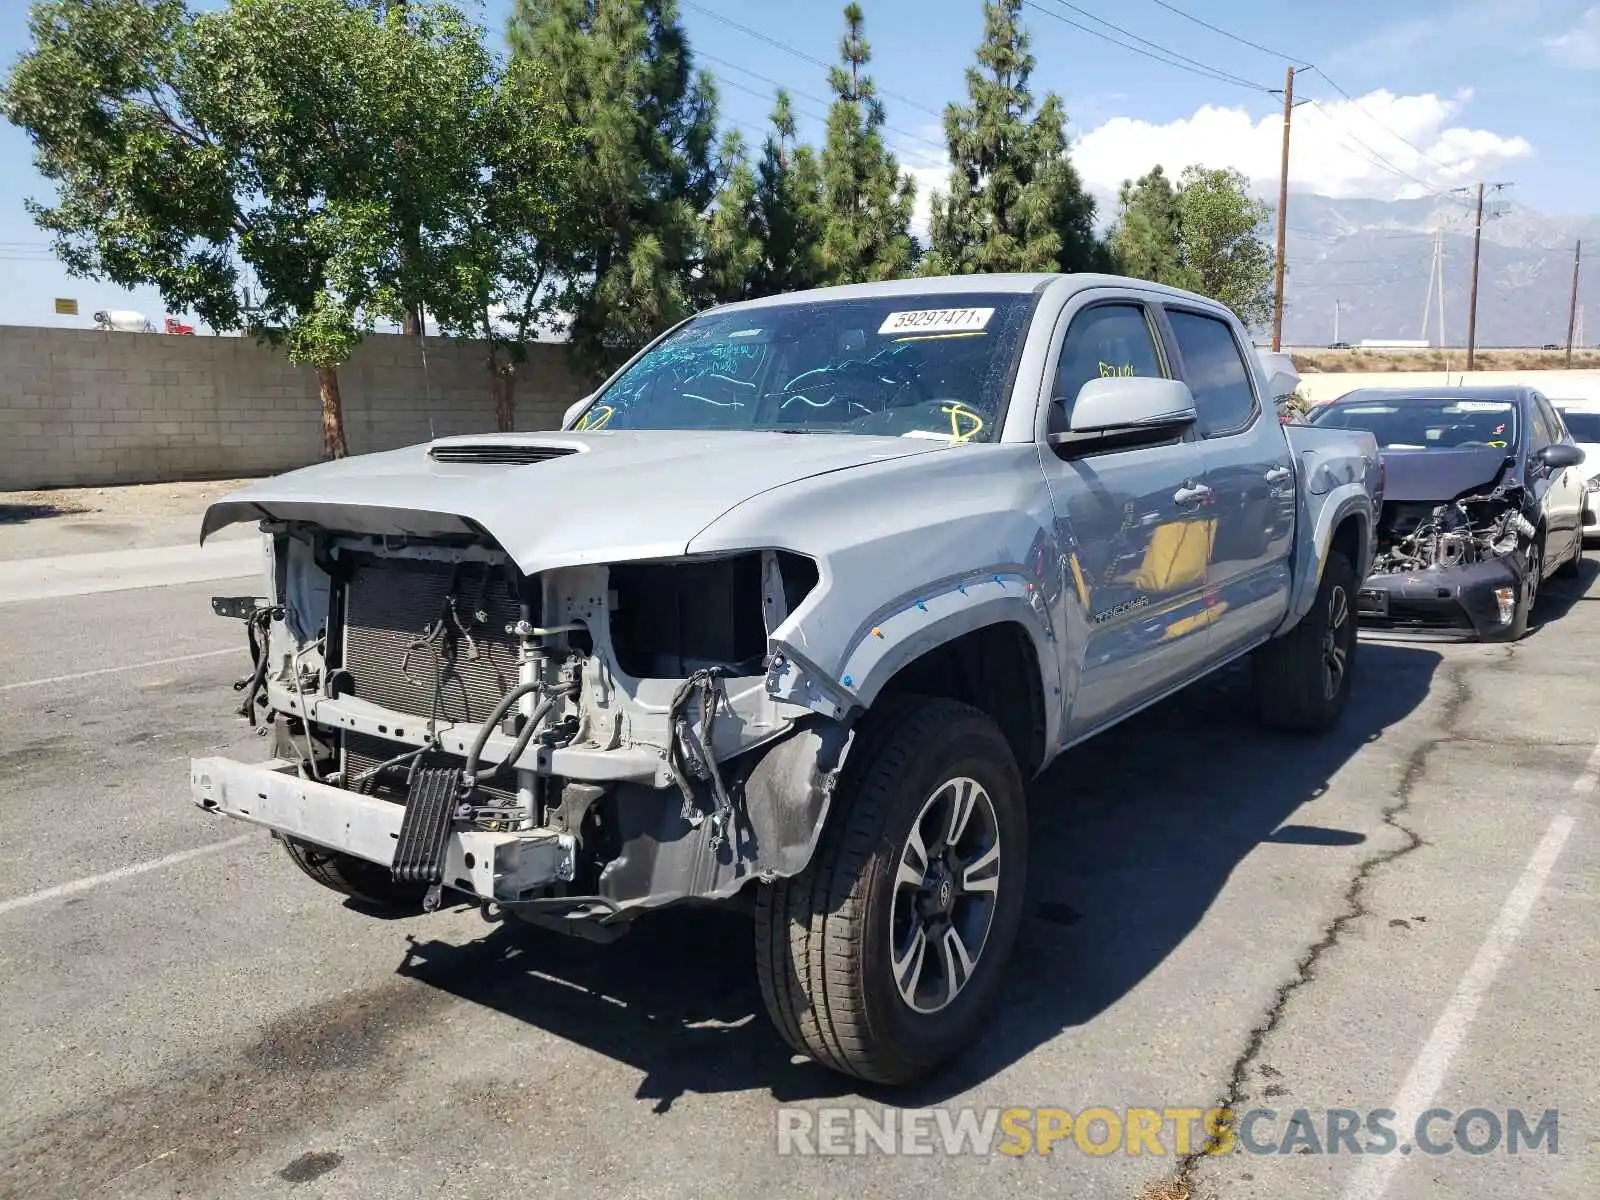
column 557, row 499
column 1439, row 476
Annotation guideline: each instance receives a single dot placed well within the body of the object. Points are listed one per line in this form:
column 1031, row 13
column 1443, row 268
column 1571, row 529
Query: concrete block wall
column 81, row 407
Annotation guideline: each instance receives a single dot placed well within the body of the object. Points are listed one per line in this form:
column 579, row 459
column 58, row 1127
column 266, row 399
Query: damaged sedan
column 786, row 615
column 1482, row 501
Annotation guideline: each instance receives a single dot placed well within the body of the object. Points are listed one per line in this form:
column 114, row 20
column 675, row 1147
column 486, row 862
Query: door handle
column 1278, row 474
column 1190, row 494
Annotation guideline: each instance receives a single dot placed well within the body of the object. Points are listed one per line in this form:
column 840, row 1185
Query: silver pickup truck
column 787, row 614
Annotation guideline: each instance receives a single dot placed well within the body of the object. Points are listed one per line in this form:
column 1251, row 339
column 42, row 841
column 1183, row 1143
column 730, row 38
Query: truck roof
column 1016, row 283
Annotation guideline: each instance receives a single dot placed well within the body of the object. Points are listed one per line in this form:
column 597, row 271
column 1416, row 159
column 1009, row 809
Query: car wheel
column 357, row 878
column 1533, row 577
column 885, row 956
column 1302, row 679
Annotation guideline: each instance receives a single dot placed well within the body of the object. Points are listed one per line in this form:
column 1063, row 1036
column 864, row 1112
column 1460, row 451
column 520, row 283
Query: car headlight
column 1592, row 485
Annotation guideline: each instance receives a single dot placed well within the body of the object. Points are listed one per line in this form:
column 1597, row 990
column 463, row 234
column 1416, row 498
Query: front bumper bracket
column 504, row 867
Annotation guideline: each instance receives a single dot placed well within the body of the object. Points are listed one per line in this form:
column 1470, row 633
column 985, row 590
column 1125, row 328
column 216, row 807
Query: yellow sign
column 65, row 307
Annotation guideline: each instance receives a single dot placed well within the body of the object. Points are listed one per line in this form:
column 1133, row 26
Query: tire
column 355, row 877
column 1302, row 679
column 1523, row 613
column 827, row 939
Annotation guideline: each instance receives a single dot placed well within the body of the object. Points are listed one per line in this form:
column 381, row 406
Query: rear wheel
column 354, row 877
column 883, row 959
column 1302, row 679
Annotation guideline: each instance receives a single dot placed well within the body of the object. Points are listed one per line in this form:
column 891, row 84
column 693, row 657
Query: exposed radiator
column 391, row 601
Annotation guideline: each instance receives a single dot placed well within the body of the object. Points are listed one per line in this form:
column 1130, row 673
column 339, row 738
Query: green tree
column 618, row 74
column 1015, row 203
column 789, row 215
column 1144, row 242
column 1219, row 238
column 867, row 201
column 733, row 247
column 494, row 267
column 1203, row 235
column 292, row 136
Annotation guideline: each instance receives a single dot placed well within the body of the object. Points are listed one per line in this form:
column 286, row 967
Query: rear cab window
column 1214, row 368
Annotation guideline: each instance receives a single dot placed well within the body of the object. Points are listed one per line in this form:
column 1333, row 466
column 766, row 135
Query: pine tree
column 1016, row 202
column 733, row 244
column 867, row 200
column 620, row 76
column 789, row 217
column 1145, row 240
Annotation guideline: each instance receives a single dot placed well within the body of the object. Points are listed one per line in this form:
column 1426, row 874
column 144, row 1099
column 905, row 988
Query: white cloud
column 1336, row 149
column 929, row 165
column 1578, row 47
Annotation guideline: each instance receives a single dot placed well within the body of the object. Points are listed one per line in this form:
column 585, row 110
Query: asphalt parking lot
column 1401, row 914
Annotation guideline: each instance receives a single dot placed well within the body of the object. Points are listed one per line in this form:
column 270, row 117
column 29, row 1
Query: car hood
column 1440, row 476
column 557, row 499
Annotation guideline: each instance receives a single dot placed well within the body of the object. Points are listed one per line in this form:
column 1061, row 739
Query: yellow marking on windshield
column 956, row 412
column 939, row 337
column 606, row 411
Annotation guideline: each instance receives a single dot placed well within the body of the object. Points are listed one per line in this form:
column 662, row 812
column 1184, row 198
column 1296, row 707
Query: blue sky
column 1441, row 94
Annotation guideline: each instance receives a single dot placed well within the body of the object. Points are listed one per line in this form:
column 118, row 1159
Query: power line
column 1244, row 41
column 1227, row 76
column 1359, row 107
column 916, row 137
column 1202, row 70
column 800, row 54
column 764, row 78
column 1378, row 159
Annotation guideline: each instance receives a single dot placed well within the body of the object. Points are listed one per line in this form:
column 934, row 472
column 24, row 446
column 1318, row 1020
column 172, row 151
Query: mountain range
column 1375, row 257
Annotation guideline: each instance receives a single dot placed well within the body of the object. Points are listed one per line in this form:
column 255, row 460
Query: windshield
column 1584, row 426
column 1426, row 424
column 935, row 366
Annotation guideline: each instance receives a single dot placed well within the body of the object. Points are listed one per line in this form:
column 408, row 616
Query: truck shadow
column 1135, row 834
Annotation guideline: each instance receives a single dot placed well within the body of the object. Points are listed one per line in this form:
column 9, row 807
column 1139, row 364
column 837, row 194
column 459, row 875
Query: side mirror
column 1126, row 411
column 571, row 415
column 1559, row 454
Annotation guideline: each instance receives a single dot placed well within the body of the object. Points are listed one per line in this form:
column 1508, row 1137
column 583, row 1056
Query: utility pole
column 1572, row 311
column 1472, row 304
column 1336, row 320
column 1283, row 214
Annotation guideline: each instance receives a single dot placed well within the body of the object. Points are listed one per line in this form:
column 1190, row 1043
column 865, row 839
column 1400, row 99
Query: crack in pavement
column 1354, row 908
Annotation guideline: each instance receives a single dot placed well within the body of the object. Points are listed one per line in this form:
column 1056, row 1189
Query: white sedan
column 1582, row 418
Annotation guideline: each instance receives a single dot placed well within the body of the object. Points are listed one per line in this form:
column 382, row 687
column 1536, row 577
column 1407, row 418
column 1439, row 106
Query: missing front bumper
column 504, row 867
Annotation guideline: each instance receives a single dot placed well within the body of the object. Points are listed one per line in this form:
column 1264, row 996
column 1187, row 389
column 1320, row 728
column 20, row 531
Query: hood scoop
column 496, row 454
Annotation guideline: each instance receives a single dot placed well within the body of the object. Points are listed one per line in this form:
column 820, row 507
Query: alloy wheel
column 945, row 893
column 1335, row 647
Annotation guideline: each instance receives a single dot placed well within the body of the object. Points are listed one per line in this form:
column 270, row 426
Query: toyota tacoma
column 788, row 613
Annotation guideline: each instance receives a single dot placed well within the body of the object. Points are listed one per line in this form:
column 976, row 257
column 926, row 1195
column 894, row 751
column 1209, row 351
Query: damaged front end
column 1460, row 565
column 572, row 747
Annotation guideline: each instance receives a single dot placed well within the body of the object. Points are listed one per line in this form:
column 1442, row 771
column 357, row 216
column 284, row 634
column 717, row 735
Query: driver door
column 1562, row 499
column 1133, row 526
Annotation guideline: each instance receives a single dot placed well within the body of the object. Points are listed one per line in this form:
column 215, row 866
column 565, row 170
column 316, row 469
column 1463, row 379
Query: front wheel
column 885, row 956
column 1302, row 679
column 363, row 881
